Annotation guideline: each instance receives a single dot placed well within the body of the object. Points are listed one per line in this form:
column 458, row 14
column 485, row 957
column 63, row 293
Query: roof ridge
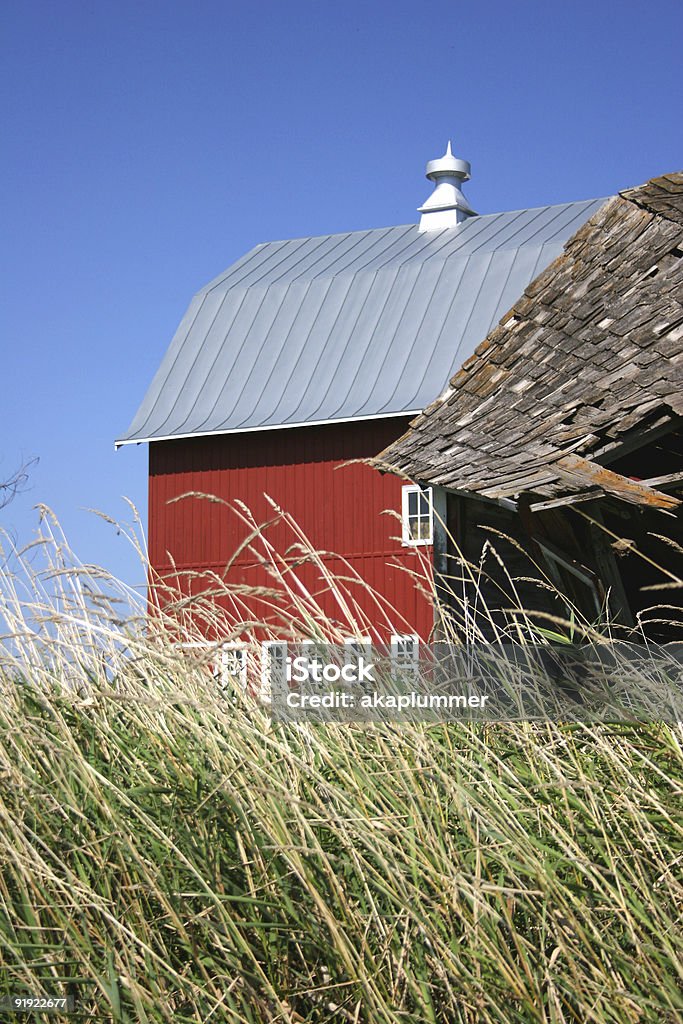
column 390, row 227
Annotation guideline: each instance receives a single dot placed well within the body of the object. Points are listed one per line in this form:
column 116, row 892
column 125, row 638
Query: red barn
column 308, row 353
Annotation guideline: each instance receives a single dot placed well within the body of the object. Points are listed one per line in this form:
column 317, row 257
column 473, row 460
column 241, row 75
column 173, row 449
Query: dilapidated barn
column 560, row 440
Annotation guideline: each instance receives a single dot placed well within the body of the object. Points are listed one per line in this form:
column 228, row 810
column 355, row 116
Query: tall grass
column 169, row 854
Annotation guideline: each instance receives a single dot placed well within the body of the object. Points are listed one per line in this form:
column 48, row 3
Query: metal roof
column 345, row 327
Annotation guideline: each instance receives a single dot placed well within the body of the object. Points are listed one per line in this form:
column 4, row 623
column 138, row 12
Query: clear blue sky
column 147, row 145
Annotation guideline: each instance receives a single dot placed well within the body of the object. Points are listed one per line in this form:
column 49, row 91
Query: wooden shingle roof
column 589, row 358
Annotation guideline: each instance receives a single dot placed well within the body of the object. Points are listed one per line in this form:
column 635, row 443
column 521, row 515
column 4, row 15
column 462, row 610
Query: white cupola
column 446, row 206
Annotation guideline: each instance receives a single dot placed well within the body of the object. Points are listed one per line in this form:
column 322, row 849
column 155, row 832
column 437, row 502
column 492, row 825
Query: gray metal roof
column 344, row 327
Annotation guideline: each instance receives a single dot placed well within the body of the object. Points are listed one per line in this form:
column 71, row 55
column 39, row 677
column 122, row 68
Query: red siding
column 338, row 507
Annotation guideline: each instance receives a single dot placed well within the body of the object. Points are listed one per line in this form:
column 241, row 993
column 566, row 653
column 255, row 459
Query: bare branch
column 16, row 483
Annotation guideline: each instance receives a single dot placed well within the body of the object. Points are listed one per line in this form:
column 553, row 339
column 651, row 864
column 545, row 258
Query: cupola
column 446, row 206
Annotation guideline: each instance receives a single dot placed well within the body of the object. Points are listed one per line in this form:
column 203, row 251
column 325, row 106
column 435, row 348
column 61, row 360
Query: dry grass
column 171, row 856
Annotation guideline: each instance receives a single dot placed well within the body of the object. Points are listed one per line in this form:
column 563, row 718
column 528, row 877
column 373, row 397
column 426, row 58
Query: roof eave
column 268, row 426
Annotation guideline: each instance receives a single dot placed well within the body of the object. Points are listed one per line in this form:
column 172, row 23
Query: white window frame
column 233, row 666
column 230, row 656
column 406, row 538
column 274, row 654
column 405, row 654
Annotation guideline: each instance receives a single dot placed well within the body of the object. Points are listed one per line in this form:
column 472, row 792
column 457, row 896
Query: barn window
column 417, row 515
column 226, row 662
column 405, row 655
column 273, row 669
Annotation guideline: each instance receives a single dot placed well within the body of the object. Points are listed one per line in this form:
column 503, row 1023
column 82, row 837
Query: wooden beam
column 609, row 571
column 664, row 482
column 637, row 492
column 439, row 555
column 567, row 499
column 636, row 439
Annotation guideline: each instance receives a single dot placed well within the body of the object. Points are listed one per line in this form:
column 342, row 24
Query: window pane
column 417, row 515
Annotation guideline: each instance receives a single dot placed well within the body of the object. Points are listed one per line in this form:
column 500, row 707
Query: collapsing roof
column 348, row 326
column 587, row 365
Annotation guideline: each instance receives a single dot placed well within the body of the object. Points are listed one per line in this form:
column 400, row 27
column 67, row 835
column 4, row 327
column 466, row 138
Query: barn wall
column 338, row 507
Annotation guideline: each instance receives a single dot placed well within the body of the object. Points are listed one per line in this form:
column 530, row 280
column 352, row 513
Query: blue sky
column 148, row 145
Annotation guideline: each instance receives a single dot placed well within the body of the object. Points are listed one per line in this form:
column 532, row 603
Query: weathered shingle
column 590, row 353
